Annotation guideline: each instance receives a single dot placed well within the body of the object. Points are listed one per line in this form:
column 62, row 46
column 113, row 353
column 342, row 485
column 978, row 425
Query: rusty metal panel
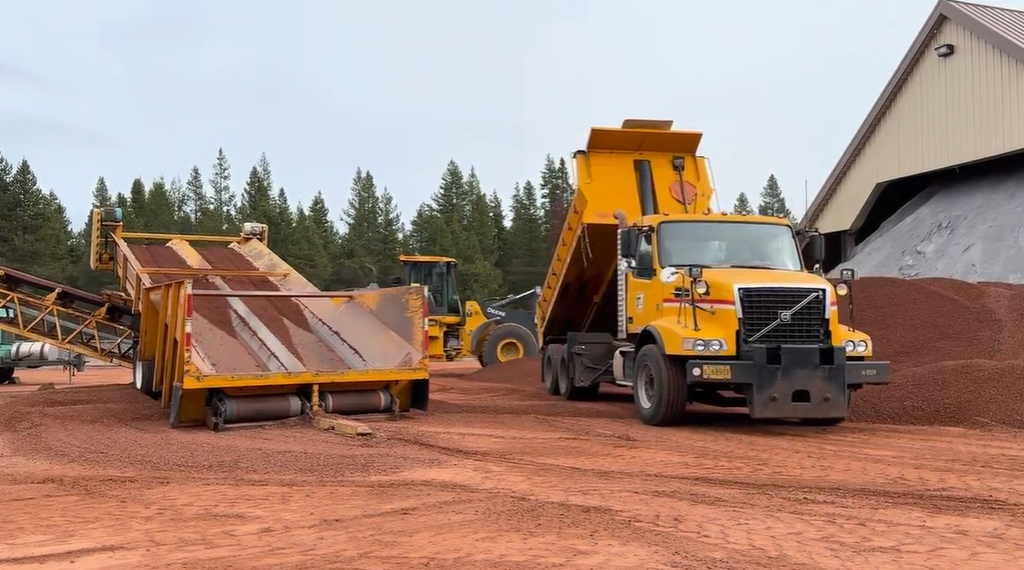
column 357, row 330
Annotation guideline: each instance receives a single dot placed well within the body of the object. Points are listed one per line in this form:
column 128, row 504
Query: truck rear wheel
column 7, row 375
column 549, row 368
column 659, row 388
column 506, row 342
column 567, row 388
column 142, row 376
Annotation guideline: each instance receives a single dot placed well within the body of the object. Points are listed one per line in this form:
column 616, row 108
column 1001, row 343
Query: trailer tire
column 142, row 375
column 6, row 375
column 507, row 342
column 659, row 388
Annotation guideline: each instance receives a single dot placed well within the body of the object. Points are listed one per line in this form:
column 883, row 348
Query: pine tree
column 742, row 205
column 101, row 194
column 256, row 203
column 10, row 201
column 135, row 215
column 196, row 202
column 222, row 198
column 773, row 202
column 480, row 222
column 176, row 191
column 158, row 213
column 360, row 243
column 360, row 218
column 389, row 235
column 319, row 217
column 308, row 254
column 42, row 246
column 527, row 258
column 282, row 223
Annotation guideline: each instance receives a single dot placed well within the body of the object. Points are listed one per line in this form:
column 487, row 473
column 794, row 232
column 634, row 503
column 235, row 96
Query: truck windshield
column 728, row 244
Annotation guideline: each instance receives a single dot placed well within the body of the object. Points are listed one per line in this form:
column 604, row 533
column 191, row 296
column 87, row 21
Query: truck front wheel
column 659, row 388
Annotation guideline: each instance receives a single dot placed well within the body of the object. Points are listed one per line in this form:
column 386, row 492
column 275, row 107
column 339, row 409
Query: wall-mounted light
column 944, row 50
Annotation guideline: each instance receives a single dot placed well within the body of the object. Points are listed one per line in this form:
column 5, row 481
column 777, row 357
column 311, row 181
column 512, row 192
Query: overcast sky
column 126, row 88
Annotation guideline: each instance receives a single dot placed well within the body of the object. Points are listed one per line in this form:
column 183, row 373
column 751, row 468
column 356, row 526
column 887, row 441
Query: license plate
column 717, row 372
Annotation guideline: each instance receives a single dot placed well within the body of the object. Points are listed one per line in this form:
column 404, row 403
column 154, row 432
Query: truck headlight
column 842, row 289
column 705, row 345
column 701, row 287
column 855, row 347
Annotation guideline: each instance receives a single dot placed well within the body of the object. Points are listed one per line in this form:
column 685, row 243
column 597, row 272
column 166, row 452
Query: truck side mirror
column 814, row 250
column 628, row 242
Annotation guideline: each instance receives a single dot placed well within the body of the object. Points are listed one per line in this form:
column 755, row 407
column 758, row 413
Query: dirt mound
column 954, row 348
column 523, row 372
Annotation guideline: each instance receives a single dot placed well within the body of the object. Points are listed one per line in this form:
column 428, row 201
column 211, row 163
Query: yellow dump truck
column 652, row 290
column 227, row 332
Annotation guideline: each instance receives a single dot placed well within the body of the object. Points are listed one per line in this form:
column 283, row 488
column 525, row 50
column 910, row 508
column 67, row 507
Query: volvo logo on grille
column 786, row 316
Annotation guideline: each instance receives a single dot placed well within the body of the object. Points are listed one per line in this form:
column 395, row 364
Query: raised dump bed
column 230, row 333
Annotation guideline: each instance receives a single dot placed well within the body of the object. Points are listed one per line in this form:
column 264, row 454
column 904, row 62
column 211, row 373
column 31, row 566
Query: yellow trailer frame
column 166, row 312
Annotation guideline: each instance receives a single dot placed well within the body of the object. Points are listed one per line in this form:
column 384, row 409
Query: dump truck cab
column 653, row 290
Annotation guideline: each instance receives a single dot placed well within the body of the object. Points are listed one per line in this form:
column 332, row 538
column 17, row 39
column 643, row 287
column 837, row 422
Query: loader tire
column 549, row 368
column 659, row 388
column 508, row 342
column 6, row 375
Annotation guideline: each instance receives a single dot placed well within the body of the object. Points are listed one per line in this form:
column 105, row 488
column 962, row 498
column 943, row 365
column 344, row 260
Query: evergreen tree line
column 499, row 249
column 772, row 202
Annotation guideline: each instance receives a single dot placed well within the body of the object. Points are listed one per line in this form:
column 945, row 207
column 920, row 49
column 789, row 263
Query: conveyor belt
column 69, row 318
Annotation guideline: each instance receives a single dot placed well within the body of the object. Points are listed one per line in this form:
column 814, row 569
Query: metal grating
column 763, row 306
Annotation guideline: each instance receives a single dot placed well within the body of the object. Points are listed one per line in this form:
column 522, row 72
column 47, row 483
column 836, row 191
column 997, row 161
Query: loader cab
column 437, row 274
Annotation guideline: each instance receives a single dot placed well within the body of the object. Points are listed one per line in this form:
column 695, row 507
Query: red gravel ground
column 498, row 476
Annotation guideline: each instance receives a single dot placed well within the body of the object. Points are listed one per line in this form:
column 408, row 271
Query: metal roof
column 1003, row 28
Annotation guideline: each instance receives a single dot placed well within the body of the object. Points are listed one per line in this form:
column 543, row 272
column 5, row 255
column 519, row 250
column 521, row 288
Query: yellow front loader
column 490, row 331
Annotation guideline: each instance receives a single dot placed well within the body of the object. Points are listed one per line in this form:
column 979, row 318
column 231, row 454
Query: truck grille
column 762, row 306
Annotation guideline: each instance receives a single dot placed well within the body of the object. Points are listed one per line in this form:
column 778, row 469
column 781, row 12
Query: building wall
column 950, row 111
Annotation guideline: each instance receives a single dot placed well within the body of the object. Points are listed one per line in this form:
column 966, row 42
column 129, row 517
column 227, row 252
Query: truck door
column 643, row 301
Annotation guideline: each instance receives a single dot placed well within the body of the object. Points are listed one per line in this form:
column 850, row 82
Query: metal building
column 956, row 99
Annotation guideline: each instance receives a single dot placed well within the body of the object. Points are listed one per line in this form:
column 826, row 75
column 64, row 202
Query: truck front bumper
column 797, row 382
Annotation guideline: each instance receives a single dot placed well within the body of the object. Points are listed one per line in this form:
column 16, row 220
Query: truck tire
column 142, row 376
column 549, row 368
column 659, row 388
column 7, row 375
column 566, row 388
column 508, row 341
